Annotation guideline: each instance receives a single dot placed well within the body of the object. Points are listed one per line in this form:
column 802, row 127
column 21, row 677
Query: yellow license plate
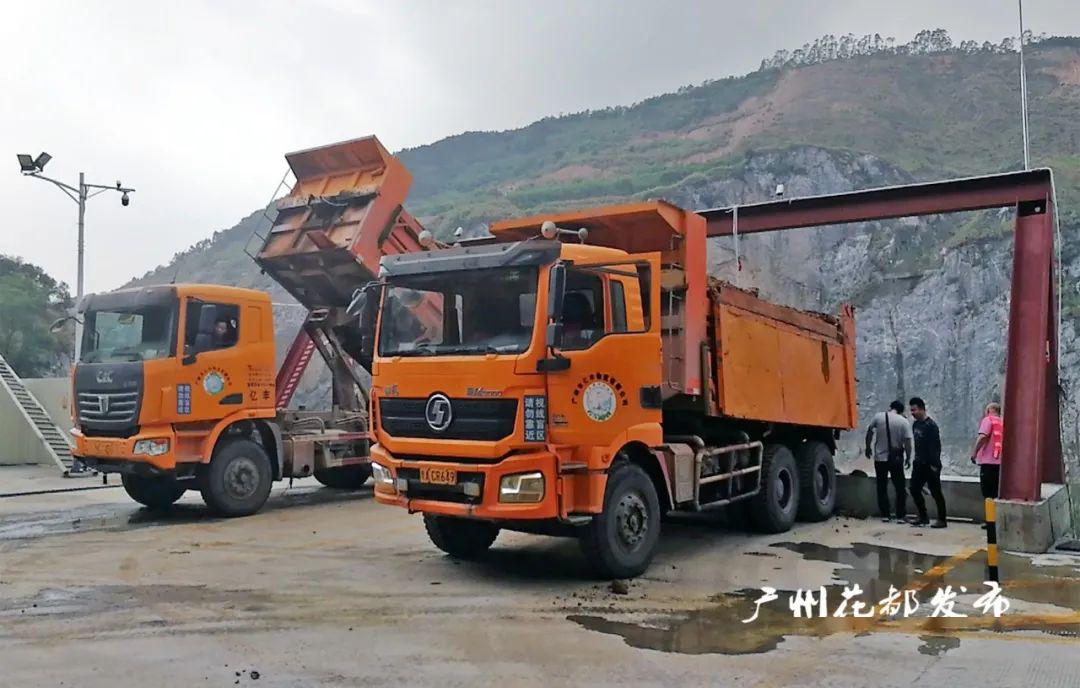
column 438, row 476
column 99, row 448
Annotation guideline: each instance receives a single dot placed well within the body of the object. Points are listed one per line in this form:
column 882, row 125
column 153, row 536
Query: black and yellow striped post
column 991, row 541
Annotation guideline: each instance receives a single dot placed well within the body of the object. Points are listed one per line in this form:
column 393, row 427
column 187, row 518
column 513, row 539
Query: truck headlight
column 382, row 474
column 522, row 488
column 151, row 447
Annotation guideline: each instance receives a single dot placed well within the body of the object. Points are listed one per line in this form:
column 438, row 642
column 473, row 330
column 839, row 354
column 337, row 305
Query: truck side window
column 583, row 310
column 210, row 326
column 618, row 307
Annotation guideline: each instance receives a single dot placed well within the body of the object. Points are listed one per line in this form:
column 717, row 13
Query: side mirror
column 555, row 296
column 58, row 324
column 365, row 307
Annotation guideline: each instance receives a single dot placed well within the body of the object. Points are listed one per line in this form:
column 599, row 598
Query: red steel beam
column 1032, row 450
column 1030, row 383
column 949, row 196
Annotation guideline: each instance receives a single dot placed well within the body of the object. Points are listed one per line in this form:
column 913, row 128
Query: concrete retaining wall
column 19, row 444
column 1022, row 526
column 857, row 496
column 53, row 393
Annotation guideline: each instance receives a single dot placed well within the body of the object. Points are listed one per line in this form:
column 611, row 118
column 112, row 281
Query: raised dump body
column 342, row 215
column 778, row 364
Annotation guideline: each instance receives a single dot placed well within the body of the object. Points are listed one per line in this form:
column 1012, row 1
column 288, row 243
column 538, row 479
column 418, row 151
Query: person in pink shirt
column 987, row 450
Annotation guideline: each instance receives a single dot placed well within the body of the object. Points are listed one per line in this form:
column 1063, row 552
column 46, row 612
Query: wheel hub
column 631, row 520
column 782, row 489
column 821, row 483
column 241, row 478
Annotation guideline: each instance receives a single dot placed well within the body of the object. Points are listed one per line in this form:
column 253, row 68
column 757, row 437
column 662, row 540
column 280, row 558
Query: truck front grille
column 111, row 409
column 487, row 420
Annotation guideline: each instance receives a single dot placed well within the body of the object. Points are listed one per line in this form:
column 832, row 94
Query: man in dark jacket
column 926, row 469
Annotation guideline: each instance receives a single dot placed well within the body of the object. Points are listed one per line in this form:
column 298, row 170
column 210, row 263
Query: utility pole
column 33, row 167
column 1023, row 91
column 79, row 271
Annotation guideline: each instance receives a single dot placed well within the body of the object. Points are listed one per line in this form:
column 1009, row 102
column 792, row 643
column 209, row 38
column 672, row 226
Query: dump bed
column 779, row 364
column 343, row 214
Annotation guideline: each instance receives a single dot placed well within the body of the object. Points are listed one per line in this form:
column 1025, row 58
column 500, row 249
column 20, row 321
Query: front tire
column 344, row 477
column 154, row 493
column 460, row 537
column 817, row 482
column 621, row 540
column 237, row 481
column 774, row 507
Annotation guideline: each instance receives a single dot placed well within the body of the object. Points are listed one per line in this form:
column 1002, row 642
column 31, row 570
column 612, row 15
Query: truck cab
column 172, row 379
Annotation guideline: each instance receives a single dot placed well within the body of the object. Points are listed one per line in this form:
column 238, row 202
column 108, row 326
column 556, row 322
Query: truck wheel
column 621, row 540
column 156, row 493
column 237, row 481
column 774, row 507
column 460, row 537
column 817, row 482
column 344, row 477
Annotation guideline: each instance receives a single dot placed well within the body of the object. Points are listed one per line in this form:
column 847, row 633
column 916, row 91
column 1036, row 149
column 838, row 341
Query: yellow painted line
column 938, row 572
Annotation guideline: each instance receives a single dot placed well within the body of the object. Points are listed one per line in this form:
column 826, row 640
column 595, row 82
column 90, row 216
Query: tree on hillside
column 29, row 301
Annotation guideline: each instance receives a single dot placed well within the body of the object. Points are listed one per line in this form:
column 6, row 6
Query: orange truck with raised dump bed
column 580, row 374
column 175, row 386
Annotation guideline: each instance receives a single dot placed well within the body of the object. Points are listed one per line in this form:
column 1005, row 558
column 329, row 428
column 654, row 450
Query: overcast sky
column 195, row 103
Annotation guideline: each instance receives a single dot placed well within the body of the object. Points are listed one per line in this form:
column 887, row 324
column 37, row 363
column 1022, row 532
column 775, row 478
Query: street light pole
column 79, row 271
column 33, row 167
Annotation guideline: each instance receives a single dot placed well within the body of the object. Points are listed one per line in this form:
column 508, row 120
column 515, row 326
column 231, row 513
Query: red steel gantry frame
column 1032, row 452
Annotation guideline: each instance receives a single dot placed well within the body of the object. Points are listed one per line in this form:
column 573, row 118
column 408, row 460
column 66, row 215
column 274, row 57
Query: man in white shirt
column 893, row 445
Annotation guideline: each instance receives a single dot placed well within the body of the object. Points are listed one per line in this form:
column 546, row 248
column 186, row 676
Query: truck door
column 611, row 340
column 213, row 376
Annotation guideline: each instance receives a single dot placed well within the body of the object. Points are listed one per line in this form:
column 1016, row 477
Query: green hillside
column 927, row 109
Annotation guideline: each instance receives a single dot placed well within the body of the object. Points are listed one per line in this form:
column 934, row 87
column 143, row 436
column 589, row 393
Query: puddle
column 874, row 568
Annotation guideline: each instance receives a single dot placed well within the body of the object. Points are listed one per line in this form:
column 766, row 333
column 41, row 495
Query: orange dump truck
column 176, row 387
column 580, row 374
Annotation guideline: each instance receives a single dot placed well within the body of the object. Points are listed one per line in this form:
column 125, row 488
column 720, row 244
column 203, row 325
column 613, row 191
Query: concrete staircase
column 52, row 438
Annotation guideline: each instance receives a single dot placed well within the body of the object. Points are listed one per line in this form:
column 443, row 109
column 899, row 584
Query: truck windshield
column 139, row 334
column 460, row 312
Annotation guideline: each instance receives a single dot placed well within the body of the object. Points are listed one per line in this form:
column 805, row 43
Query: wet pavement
column 329, row 588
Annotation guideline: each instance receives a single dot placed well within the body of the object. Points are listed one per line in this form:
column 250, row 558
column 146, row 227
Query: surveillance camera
column 117, row 183
column 779, row 190
column 125, row 200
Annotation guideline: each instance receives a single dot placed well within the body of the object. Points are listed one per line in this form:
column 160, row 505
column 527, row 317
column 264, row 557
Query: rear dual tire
column 774, row 507
column 817, row 481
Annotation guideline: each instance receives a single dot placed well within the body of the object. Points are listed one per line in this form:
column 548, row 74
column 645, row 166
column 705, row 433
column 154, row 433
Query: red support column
column 1053, row 459
column 1031, row 418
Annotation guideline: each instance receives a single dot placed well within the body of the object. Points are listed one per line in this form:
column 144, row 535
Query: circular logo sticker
column 598, row 401
column 213, row 383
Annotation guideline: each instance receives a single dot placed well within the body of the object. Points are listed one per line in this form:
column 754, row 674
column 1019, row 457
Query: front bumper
column 117, row 454
column 452, row 500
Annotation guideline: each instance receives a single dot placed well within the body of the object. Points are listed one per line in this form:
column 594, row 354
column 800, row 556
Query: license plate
column 438, row 476
column 98, row 448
